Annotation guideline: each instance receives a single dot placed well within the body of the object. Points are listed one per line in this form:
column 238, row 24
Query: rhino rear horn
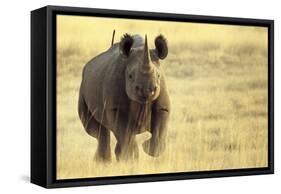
column 126, row 44
column 161, row 46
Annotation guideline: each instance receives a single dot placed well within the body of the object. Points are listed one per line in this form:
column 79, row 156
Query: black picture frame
column 43, row 96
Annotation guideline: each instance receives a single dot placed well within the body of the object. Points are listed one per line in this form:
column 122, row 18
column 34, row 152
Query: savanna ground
column 217, row 79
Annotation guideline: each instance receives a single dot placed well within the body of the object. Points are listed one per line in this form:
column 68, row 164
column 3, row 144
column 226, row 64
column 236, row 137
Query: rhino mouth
column 144, row 100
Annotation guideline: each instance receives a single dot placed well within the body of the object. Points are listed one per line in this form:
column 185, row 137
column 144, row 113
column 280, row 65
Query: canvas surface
column 217, row 80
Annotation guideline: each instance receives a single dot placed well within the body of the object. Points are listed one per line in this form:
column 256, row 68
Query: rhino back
column 103, row 84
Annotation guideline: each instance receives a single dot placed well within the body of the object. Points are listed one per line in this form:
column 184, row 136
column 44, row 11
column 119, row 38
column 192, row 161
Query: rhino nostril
column 153, row 88
column 137, row 88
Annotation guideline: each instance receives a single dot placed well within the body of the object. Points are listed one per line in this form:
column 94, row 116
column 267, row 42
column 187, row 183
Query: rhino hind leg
column 95, row 129
column 86, row 118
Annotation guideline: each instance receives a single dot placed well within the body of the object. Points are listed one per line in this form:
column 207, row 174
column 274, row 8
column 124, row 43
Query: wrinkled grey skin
column 123, row 90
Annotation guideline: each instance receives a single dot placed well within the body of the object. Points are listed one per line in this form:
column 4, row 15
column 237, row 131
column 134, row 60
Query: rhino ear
column 126, row 44
column 161, row 46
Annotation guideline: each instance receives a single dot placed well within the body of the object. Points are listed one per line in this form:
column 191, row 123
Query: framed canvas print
column 125, row 96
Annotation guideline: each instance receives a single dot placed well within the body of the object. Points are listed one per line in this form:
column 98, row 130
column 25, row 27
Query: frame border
column 53, row 11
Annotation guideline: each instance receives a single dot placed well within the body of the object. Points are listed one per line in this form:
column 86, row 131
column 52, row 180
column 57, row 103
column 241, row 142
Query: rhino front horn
column 146, row 56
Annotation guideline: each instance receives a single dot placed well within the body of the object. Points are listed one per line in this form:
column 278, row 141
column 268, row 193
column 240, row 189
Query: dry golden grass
column 217, row 79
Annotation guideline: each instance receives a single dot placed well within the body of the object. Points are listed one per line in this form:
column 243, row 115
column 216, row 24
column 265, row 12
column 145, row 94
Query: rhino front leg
column 103, row 153
column 156, row 144
column 126, row 148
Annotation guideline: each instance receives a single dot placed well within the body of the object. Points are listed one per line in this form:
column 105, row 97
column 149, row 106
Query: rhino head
column 143, row 73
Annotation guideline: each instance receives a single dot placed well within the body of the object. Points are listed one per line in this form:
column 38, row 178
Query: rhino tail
column 112, row 41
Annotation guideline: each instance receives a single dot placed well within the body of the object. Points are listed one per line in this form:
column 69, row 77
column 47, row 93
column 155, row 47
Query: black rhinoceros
column 123, row 90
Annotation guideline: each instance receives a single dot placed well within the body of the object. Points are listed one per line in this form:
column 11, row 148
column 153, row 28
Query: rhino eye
column 130, row 76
